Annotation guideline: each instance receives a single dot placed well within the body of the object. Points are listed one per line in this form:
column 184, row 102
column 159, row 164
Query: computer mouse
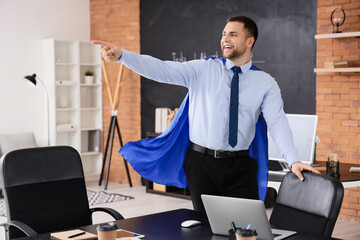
column 190, row 223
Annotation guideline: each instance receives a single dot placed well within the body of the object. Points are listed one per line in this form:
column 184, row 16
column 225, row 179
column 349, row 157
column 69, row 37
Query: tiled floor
column 152, row 203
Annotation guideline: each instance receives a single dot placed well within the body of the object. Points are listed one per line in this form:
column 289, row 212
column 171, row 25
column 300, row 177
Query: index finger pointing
column 102, row 43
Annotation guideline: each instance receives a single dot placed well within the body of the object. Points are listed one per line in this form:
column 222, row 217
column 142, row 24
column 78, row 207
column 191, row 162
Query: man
column 226, row 98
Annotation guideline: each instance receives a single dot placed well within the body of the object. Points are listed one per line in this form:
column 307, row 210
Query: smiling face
column 236, row 43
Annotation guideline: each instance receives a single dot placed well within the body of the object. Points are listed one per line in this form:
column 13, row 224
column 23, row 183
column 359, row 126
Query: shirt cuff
column 292, row 157
column 123, row 56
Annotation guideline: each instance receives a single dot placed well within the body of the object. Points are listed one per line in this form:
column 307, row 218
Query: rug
column 95, row 198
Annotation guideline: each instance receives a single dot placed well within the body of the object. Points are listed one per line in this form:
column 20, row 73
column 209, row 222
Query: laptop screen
column 303, row 128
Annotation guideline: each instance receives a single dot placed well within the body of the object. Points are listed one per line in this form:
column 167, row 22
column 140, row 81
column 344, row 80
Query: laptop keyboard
column 276, row 235
column 274, row 165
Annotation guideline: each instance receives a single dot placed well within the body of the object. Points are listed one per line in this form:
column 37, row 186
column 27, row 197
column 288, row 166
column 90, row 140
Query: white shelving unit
column 337, row 35
column 75, row 105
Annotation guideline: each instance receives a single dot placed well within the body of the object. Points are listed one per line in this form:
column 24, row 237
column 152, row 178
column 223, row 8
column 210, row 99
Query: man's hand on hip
column 298, row 167
column 109, row 52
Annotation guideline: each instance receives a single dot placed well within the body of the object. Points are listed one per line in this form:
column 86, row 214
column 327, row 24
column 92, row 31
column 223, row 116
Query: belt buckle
column 219, row 154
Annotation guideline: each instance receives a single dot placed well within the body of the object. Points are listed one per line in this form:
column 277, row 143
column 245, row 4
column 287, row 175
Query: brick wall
column 337, row 96
column 117, row 21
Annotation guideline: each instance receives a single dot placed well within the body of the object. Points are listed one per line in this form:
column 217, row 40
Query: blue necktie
column 234, row 107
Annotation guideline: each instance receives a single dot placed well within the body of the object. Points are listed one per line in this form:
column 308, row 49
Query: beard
column 234, row 54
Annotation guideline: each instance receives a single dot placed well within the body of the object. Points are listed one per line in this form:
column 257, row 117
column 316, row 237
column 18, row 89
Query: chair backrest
column 309, row 206
column 45, row 188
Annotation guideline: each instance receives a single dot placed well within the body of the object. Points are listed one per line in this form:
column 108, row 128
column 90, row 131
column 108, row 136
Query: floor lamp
column 33, row 80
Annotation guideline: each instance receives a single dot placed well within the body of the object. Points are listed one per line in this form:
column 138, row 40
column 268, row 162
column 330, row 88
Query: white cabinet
column 75, row 105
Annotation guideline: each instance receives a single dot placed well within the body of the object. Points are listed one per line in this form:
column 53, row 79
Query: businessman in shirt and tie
column 226, row 98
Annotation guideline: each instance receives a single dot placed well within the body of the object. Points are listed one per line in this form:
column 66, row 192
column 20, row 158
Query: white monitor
column 304, row 131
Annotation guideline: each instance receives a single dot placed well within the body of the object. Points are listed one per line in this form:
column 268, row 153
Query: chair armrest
column 19, row 225
column 109, row 211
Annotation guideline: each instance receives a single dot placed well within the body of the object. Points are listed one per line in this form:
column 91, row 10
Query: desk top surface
column 345, row 174
column 167, row 226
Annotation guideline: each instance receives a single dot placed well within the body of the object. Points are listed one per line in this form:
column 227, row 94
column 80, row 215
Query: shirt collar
column 244, row 68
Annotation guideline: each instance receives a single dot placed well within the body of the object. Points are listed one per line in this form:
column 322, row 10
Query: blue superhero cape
column 161, row 159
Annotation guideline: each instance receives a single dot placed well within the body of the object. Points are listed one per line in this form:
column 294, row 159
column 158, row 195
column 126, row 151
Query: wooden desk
column 347, row 178
column 166, row 226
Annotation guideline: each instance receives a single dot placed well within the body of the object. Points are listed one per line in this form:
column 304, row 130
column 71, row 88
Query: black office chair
column 270, row 197
column 310, row 206
column 45, row 191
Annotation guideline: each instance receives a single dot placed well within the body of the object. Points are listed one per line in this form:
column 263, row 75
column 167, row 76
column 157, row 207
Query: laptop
column 303, row 128
column 221, row 211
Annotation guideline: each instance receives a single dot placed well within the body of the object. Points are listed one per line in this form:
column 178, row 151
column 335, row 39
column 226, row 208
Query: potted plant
column 89, row 77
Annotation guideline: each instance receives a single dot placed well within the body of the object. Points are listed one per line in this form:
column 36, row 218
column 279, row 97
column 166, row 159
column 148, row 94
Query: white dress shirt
column 209, row 83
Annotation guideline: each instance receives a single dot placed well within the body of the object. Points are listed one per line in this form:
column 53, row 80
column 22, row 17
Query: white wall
column 23, row 25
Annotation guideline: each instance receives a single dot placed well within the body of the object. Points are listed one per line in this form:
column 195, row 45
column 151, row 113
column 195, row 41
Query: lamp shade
column 31, row 78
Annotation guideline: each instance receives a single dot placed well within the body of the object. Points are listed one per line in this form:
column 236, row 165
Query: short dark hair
column 249, row 25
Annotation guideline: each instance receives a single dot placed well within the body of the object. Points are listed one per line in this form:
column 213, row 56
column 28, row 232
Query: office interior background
column 24, row 24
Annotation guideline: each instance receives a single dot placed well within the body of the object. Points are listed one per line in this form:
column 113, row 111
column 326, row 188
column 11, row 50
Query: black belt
column 218, row 153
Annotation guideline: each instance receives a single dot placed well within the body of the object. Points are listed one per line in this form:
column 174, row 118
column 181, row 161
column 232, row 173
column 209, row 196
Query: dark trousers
column 232, row 177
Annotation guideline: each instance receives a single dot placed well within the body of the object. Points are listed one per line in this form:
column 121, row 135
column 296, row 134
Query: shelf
column 65, row 64
column 90, row 64
column 65, row 109
column 89, row 153
column 337, row 35
column 90, row 109
column 89, row 85
column 92, row 176
column 349, row 69
column 66, row 130
column 90, row 129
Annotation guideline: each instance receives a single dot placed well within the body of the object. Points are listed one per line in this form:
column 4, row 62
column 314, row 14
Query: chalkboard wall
column 188, row 29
